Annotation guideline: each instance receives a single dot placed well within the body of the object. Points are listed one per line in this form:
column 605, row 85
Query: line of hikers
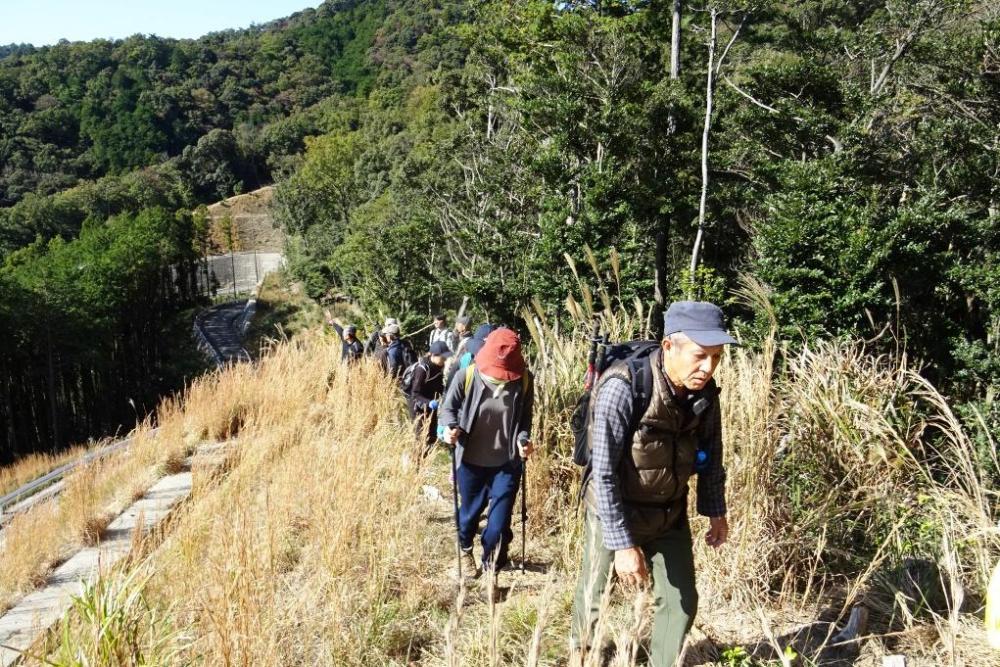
column 647, row 421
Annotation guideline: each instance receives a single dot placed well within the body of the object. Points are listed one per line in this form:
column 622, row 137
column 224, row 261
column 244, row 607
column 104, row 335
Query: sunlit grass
column 31, row 467
column 316, row 545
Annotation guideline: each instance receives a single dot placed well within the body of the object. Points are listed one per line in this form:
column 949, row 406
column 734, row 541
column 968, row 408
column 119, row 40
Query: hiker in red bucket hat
column 487, row 414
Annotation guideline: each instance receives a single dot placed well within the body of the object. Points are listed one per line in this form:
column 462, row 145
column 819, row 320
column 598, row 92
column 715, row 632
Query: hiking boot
column 489, row 585
column 470, row 567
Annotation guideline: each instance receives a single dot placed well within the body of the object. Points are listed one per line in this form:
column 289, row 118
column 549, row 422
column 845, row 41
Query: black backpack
column 635, row 355
column 406, row 382
column 409, row 354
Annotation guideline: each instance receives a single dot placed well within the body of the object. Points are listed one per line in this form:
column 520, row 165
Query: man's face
column 689, row 364
column 460, row 327
column 439, row 324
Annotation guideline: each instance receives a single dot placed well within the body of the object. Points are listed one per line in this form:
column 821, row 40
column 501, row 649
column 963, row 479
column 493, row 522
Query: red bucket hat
column 501, row 356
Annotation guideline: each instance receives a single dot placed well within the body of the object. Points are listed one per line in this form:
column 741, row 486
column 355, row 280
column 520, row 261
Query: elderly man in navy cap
column 645, row 447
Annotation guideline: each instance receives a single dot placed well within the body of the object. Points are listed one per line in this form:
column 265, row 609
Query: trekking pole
column 454, row 495
column 521, row 440
column 590, row 377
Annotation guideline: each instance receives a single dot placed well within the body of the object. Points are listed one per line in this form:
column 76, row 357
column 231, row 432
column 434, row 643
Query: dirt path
column 540, row 597
column 541, row 589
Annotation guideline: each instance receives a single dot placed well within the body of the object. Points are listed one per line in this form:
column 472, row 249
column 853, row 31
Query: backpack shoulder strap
column 470, row 372
column 641, row 372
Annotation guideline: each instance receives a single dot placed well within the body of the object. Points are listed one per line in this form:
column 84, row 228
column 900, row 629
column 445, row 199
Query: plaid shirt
column 611, row 437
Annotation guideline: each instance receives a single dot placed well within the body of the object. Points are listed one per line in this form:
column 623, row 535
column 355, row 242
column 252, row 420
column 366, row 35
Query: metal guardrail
column 35, row 491
column 50, row 484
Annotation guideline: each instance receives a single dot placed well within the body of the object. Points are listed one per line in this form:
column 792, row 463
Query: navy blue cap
column 483, row 330
column 700, row 321
column 440, row 348
column 474, row 345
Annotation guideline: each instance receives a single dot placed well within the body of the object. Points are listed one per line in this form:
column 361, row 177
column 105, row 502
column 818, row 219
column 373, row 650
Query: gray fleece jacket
column 459, row 410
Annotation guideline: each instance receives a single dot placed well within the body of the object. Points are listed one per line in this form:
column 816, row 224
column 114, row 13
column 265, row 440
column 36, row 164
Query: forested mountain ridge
column 106, row 148
column 211, row 117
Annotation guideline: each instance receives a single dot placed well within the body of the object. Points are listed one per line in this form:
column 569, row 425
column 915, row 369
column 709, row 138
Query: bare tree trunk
column 660, row 268
column 709, row 98
column 660, row 260
column 10, row 439
column 53, row 399
column 675, row 43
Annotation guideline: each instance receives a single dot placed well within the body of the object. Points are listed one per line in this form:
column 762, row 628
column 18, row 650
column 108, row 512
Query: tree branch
column 837, row 145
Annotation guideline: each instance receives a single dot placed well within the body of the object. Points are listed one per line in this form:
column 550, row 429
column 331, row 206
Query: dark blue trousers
column 478, row 487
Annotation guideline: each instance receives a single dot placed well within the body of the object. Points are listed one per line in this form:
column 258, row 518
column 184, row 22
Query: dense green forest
column 846, row 172
column 427, row 151
column 105, row 149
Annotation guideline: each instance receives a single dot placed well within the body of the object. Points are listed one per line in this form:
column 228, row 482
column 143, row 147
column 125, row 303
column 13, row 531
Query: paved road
column 218, row 324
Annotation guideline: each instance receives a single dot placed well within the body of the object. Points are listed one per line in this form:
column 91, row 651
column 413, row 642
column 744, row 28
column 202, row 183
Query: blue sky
column 42, row 22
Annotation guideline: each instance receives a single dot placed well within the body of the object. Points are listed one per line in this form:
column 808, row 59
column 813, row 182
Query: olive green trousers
column 675, row 597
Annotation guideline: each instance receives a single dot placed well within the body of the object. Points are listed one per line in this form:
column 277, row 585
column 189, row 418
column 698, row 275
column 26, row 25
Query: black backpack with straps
column 406, row 381
column 635, row 355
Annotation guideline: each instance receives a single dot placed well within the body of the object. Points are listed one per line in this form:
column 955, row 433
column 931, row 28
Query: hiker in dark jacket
column 351, row 348
column 426, row 389
column 485, row 411
column 377, row 339
column 394, row 359
column 636, row 492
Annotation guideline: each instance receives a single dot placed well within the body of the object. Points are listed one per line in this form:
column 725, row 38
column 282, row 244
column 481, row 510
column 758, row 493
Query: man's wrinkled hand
column 453, row 435
column 630, row 566
column 718, row 532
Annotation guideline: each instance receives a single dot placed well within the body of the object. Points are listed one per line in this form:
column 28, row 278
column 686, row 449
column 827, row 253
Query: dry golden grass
column 305, row 551
column 33, row 466
column 315, row 546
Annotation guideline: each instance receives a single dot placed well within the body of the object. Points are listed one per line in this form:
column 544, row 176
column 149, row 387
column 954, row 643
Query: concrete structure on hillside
column 216, row 275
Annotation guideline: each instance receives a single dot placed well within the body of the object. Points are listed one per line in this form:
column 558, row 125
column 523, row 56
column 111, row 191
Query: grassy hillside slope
column 326, row 540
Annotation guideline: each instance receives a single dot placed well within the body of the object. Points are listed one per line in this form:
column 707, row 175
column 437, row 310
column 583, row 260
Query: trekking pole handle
column 522, row 439
column 589, row 378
